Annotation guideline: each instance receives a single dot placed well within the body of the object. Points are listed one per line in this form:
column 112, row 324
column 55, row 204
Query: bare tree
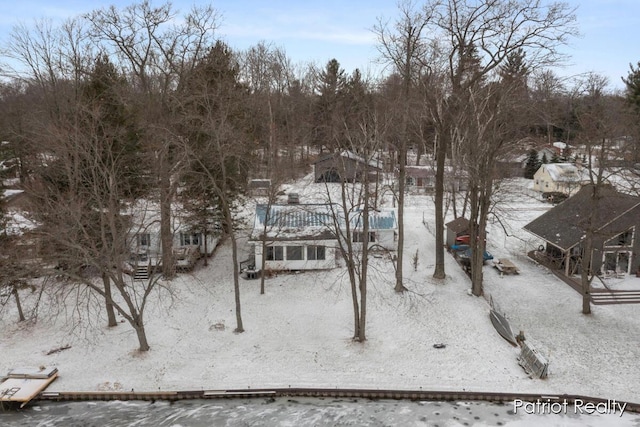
column 404, row 48
column 78, row 196
column 268, row 73
column 210, row 105
column 602, row 121
column 473, row 40
column 353, row 207
column 155, row 53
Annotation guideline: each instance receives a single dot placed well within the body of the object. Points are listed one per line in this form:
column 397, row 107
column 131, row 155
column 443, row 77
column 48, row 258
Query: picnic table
column 505, row 266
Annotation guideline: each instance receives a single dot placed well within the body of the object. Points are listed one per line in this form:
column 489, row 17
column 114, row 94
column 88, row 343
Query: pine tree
column 632, row 83
column 515, row 71
column 532, row 164
column 330, row 86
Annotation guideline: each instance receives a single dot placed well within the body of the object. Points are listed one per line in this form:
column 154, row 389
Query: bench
column 505, row 266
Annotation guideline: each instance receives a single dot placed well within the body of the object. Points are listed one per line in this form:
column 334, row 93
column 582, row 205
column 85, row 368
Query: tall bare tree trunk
column 206, row 247
column 480, row 193
column 236, row 268
column 585, row 279
column 236, row 282
column 108, row 299
column 402, row 177
column 166, row 235
column 143, row 344
column 365, row 264
column 441, row 154
column 16, row 295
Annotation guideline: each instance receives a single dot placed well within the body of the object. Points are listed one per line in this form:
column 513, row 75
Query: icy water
column 295, row 412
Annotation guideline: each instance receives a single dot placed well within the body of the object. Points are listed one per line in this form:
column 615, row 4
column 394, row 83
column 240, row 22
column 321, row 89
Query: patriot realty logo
column 577, row 406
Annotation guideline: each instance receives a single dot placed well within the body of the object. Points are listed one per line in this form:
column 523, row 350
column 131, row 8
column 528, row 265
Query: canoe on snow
column 500, row 322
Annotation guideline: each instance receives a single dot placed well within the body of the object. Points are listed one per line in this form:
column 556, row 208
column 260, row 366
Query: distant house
column 564, row 178
column 303, row 236
column 616, row 223
column 557, row 149
column 424, row 178
column 259, row 187
column 345, row 166
column 189, row 244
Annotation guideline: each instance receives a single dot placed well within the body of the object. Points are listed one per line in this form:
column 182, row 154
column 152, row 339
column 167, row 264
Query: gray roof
column 313, row 220
column 565, row 225
column 566, row 172
column 373, row 162
column 458, row 225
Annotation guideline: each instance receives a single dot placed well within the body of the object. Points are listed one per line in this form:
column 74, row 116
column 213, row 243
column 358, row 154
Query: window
column 622, row 239
column 315, row 253
column 616, row 262
column 143, row 239
column 189, row 239
column 294, row 253
column 358, row 236
column 275, row 253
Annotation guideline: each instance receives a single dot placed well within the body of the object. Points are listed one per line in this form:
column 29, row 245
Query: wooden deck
column 598, row 296
column 22, row 385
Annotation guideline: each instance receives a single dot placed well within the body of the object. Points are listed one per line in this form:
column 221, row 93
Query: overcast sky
column 316, row 31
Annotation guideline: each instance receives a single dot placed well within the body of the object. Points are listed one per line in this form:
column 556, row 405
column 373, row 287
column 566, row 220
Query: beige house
column 565, row 178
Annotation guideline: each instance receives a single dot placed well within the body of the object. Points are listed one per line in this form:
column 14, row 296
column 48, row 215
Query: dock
column 21, row 385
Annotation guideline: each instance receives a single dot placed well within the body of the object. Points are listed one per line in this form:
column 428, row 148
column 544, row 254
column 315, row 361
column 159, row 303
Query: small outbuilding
column 456, row 228
column 346, row 166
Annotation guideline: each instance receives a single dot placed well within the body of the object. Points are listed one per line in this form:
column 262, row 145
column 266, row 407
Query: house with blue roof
column 305, row 236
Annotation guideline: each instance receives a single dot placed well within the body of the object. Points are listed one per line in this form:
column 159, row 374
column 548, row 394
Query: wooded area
column 120, row 107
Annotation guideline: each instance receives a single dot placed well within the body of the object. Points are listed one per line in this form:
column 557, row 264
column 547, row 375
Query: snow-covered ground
column 299, row 332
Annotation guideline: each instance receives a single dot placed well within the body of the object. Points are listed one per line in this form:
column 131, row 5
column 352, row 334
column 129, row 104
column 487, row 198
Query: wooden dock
column 23, row 384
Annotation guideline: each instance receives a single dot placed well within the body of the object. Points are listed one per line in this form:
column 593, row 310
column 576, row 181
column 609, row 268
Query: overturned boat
column 501, row 324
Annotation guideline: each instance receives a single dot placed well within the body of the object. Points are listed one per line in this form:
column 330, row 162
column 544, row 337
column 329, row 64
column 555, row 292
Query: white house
column 189, row 244
column 565, row 178
column 304, row 236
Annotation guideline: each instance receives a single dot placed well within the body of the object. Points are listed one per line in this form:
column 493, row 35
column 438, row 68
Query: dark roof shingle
column 565, row 225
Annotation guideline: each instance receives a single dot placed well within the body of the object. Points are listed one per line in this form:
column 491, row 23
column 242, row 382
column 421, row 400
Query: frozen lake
column 295, row 412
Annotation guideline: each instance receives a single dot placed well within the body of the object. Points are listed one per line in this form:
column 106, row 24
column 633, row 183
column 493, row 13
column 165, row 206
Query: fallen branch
column 58, row 350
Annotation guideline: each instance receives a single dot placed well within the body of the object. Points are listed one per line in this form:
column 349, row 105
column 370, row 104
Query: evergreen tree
column 532, row 164
column 555, row 158
column 330, row 87
column 515, row 71
column 117, row 141
column 544, row 159
column 632, row 83
column 214, row 123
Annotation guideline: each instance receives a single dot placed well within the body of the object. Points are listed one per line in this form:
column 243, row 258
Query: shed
column 456, row 228
column 345, row 166
column 259, row 187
